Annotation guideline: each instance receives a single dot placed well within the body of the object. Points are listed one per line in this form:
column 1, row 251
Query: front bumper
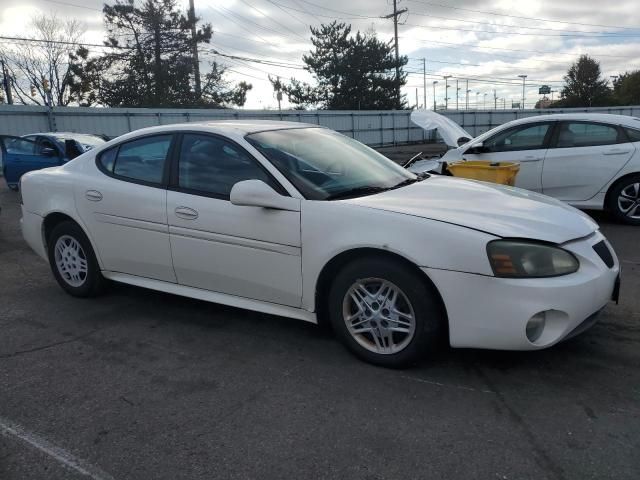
column 490, row 312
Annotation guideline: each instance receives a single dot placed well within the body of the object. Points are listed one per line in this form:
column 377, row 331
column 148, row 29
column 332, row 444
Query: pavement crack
column 51, row 345
column 543, row 458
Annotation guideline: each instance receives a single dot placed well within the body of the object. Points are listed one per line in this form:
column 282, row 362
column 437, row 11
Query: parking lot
column 137, row 384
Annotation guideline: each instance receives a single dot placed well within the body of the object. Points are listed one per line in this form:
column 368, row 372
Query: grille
column 604, row 253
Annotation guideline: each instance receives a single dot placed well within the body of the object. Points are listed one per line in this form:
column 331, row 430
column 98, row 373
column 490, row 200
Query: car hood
column 496, row 209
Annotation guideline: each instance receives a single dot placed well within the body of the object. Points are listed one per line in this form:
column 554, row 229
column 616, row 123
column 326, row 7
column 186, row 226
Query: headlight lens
column 522, row 259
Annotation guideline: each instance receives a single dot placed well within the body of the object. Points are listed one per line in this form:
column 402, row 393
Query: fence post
column 51, row 119
column 128, row 117
column 381, row 129
column 353, row 126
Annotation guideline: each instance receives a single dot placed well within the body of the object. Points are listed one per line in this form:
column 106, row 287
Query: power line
column 538, row 19
column 68, row 4
column 272, row 19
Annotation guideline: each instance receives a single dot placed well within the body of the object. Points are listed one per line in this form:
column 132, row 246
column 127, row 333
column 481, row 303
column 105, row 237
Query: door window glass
column 584, row 134
column 21, row 146
column 634, row 135
column 529, row 137
column 142, row 159
column 212, row 165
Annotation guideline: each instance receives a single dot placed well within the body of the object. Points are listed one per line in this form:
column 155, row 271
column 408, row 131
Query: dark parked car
column 41, row 150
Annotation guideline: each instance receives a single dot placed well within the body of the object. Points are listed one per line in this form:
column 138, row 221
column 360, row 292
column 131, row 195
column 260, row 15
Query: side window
column 142, row 159
column 43, row 144
column 21, row 146
column 585, row 134
column 528, row 137
column 108, row 159
column 634, row 135
column 212, row 165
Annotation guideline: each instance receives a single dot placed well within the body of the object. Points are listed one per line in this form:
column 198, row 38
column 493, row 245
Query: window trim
column 167, row 162
column 621, row 134
column 546, row 142
column 174, row 186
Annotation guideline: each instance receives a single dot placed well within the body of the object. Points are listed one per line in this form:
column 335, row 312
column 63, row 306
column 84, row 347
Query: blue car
column 41, row 150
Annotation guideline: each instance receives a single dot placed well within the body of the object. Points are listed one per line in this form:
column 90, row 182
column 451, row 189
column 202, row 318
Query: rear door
column 583, row 158
column 21, row 155
column 526, row 144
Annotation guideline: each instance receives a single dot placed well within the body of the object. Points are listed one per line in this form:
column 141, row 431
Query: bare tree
column 46, row 66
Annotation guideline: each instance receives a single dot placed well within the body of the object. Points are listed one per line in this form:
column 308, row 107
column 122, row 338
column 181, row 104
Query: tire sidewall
column 428, row 313
column 93, row 282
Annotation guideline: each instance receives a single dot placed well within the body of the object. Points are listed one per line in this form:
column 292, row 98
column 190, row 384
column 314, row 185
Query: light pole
column 524, row 79
column 467, row 98
column 457, row 94
column 446, row 91
column 477, row 103
column 484, row 102
column 435, row 82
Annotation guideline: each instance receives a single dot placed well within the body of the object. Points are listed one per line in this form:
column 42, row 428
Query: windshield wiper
column 356, row 192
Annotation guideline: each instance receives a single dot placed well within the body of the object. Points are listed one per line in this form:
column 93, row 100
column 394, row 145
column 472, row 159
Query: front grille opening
column 604, row 253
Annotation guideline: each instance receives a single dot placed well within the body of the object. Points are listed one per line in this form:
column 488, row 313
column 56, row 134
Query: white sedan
column 591, row 161
column 300, row 221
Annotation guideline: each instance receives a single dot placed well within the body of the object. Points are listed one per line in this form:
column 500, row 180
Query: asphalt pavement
column 137, row 384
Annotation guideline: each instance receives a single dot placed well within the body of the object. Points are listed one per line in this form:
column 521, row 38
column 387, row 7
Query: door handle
column 93, row 195
column 616, row 152
column 186, row 213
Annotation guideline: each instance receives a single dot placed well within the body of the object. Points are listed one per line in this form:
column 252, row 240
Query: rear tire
column 73, row 261
column 624, row 200
column 385, row 313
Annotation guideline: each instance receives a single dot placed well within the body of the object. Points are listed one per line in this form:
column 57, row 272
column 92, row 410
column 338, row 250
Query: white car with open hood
column 589, row 160
column 297, row 220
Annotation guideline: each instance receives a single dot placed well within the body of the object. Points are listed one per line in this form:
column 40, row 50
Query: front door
column 583, row 158
column 124, row 204
column 249, row 252
column 525, row 144
column 20, row 155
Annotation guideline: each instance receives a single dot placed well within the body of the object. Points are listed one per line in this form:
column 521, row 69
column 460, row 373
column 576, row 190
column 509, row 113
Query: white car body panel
column 576, row 175
column 271, row 260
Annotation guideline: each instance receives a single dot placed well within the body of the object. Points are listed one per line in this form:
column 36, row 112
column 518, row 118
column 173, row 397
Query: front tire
column 624, row 200
column 384, row 312
column 73, row 261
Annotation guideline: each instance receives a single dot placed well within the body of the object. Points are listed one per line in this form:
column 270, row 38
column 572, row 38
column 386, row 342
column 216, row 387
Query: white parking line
column 8, row 428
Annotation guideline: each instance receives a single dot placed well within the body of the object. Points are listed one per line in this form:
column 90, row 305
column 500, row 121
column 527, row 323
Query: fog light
column 535, row 326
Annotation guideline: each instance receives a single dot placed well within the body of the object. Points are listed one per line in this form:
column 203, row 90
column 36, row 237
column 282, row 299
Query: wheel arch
column 54, row 218
column 616, row 182
column 333, row 266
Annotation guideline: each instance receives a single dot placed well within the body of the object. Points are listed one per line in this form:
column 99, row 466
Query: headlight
column 522, row 259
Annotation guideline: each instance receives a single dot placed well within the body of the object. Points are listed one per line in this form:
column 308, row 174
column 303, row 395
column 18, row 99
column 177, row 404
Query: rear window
column 141, row 160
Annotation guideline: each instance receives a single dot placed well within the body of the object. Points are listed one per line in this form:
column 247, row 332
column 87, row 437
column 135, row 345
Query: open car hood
column 449, row 130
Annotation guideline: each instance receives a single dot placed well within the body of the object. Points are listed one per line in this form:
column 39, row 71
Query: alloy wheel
column 379, row 316
column 71, row 261
column 629, row 201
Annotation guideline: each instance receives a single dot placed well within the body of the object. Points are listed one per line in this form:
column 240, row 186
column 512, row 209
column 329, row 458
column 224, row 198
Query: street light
column 484, row 102
column 446, row 91
column 477, row 103
column 435, row 82
column 524, row 78
column 467, row 98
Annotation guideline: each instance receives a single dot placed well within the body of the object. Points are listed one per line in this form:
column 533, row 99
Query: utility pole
column 467, row 95
column 524, row 79
column 396, row 13
column 457, row 94
column 446, row 91
column 495, row 100
column 417, row 104
column 424, row 81
column 279, row 97
column 6, row 83
column 435, row 82
column 194, row 47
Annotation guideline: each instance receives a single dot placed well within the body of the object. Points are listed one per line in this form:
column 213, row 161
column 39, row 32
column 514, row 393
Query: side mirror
column 256, row 193
column 462, row 140
column 49, row 152
column 71, row 149
column 477, row 148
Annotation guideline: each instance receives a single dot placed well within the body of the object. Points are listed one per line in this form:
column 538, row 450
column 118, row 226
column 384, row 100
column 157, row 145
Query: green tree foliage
column 352, row 72
column 584, row 85
column 150, row 61
column 626, row 88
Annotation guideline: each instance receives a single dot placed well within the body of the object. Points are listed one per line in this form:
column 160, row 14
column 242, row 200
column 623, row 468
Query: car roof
column 585, row 116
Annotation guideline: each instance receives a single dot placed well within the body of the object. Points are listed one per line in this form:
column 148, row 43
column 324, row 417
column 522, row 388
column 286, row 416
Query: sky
column 487, row 43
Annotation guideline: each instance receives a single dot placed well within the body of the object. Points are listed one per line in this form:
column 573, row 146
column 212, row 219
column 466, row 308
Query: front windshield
column 324, row 165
